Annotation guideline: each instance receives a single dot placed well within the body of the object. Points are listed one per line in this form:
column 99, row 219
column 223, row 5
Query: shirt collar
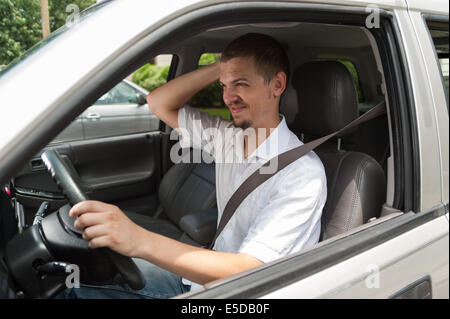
column 275, row 144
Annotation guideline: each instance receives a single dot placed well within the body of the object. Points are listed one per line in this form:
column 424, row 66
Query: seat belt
column 283, row 160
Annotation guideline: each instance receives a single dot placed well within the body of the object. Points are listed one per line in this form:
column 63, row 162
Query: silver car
column 122, row 110
column 386, row 238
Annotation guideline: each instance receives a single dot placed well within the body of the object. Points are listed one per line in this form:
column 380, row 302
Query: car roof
column 438, row 7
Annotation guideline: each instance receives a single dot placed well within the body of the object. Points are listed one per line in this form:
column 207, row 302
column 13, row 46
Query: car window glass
column 90, row 11
column 439, row 33
column 444, row 69
column 210, row 98
column 122, row 93
column 154, row 73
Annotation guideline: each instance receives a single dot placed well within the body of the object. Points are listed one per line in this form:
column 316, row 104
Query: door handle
column 420, row 289
column 93, row 116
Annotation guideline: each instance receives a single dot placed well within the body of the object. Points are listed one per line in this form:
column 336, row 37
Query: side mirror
column 141, row 99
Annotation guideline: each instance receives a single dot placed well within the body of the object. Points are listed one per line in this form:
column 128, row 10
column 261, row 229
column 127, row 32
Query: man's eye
column 242, row 84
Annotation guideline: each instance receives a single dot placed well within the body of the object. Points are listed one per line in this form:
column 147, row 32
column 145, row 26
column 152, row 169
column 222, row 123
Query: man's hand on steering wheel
column 105, row 225
column 110, row 229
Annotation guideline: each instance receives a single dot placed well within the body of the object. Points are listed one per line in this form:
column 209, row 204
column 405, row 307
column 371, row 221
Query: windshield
column 35, row 48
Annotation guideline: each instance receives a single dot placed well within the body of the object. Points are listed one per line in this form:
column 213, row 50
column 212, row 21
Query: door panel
column 123, row 170
column 118, row 163
column 391, row 269
column 117, row 113
column 111, row 120
column 73, row 132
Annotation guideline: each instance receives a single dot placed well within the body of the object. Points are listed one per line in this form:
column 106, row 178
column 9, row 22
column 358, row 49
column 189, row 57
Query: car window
column 439, row 34
column 117, row 112
column 122, row 93
column 154, row 73
column 444, row 69
column 88, row 12
column 210, row 98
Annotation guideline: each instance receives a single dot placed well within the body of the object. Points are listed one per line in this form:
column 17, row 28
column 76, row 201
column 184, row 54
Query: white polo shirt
column 282, row 215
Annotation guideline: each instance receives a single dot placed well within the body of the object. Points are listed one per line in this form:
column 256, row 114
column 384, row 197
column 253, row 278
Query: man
column 280, row 217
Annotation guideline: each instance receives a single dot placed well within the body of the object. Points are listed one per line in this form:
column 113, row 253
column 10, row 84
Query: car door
column 115, row 149
column 117, row 112
column 73, row 132
column 114, row 169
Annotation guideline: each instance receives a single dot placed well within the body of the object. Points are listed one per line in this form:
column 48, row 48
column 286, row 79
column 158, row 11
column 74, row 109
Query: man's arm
column 166, row 100
column 105, row 225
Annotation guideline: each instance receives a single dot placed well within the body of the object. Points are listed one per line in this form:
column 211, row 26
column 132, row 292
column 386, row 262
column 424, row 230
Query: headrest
column 327, row 99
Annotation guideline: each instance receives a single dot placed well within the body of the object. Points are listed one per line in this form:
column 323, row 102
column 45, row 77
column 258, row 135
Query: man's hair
column 267, row 53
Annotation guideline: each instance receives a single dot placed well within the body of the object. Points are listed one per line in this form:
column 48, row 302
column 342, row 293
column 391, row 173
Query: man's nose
column 230, row 97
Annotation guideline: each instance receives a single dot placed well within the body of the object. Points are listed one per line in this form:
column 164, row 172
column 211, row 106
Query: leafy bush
column 210, row 96
column 151, row 76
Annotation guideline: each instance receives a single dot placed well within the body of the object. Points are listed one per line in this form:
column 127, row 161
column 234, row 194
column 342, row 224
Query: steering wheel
column 67, row 182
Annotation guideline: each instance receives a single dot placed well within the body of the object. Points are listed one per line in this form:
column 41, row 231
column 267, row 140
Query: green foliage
column 210, row 96
column 223, row 112
column 19, row 27
column 20, row 24
column 208, row 58
column 151, row 76
column 57, row 10
column 351, row 68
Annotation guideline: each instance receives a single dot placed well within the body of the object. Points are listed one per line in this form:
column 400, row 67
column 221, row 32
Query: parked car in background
column 122, row 110
column 393, row 50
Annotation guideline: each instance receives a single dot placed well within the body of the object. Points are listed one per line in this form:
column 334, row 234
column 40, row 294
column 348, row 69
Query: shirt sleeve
column 198, row 129
column 291, row 220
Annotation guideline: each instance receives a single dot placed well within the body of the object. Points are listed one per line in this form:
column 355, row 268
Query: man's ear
column 279, row 84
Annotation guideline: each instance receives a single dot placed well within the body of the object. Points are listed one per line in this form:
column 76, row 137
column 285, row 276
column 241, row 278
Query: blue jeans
column 159, row 284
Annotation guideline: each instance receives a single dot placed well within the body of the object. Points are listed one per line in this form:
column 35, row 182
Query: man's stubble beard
column 244, row 125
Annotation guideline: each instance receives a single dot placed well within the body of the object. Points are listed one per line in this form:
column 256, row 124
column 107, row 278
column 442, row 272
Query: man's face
column 246, row 94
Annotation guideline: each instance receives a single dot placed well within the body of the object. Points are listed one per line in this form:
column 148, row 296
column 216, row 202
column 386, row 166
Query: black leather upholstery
column 356, row 190
column 200, row 226
column 356, row 182
column 327, row 99
column 186, row 189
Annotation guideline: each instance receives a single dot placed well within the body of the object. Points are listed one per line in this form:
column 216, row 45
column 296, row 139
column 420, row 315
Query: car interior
column 178, row 200
column 356, row 164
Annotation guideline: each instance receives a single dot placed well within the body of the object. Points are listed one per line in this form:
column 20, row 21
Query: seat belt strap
column 282, row 160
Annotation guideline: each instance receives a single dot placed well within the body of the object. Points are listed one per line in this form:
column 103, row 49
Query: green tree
column 20, row 24
column 20, row 27
column 57, row 10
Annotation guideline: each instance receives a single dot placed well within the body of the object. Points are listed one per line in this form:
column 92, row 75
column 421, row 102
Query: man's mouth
column 237, row 108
